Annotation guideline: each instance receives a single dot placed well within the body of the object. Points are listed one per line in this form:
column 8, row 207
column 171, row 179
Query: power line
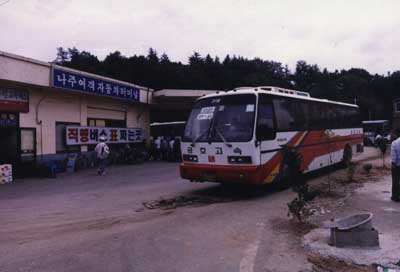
column 5, row 2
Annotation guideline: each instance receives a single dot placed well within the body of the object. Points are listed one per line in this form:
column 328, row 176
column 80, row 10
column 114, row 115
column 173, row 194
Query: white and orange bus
column 237, row 135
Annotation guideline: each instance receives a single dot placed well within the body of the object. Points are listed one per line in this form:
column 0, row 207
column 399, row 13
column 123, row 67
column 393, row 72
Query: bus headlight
column 190, row 158
column 239, row 159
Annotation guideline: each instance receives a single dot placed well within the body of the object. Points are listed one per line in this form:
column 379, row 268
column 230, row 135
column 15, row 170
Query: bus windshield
column 227, row 118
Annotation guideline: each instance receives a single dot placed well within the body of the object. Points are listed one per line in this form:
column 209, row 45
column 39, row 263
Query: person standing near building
column 102, row 151
column 171, row 156
column 157, row 144
column 177, row 149
column 164, row 148
column 395, row 154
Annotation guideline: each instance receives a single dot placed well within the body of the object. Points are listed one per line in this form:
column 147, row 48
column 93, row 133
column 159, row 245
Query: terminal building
column 174, row 104
column 48, row 111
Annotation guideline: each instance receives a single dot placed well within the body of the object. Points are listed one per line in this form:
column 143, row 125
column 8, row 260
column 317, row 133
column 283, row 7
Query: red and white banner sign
column 14, row 100
column 76, row 135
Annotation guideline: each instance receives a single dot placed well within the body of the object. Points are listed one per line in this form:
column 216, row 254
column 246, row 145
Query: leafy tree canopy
column 373, row 93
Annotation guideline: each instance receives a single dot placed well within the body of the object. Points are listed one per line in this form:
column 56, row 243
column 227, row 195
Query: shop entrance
column 12, row 102
column 9, row 135
column 9, row 145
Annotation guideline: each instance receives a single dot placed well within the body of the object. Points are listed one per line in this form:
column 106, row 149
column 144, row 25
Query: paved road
column 83, row 222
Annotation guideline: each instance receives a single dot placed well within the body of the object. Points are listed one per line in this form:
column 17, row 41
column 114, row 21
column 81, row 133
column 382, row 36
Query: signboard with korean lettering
column 14, row 100
column 76, row 135
column 77, row 82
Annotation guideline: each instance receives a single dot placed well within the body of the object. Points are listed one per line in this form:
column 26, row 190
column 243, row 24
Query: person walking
column 102, row 151
column 395, row 154
column 152, row 150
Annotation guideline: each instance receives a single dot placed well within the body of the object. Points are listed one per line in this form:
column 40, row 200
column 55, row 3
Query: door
column 8, row 145
column 28, row 145
column 9, row 138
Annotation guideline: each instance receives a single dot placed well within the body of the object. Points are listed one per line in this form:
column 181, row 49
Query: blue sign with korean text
column 77, row 82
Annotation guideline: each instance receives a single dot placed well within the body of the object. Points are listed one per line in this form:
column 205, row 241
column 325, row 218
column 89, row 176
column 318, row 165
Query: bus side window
column 265, row 120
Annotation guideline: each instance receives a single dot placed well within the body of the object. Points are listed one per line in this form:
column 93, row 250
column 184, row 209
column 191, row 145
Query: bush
column 382, row 145
column 351, row 169
column 367, row 168
column 291, row 164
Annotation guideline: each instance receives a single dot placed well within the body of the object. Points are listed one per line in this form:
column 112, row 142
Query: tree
column 291, row 163
column 195, row 59
column 306, row 76
column 62, row 56
column 84, row 60
column 152, row 56
column 328, row 135
column 164, row 59
column 382, row 145
column 373, row 93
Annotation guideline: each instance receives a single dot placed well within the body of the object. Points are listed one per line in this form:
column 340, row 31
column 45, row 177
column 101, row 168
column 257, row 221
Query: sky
column 332, row 34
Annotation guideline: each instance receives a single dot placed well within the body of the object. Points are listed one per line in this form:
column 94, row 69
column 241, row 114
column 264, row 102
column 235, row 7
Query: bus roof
column 276, row 91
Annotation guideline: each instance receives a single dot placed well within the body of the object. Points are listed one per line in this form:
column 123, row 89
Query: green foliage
column 328, row 135
column 372, row 92
column 351, row 169
column 367, row 168
column 291, row 166
column 297, row 208
column 347, row 155
column 381, row 143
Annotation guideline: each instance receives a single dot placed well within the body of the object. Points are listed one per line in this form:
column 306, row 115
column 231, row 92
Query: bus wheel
column 347, row 156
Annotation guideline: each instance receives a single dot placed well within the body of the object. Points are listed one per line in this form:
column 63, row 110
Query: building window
column 106, row 123
column 28, row 144
column 397, row 106
column 61, row 146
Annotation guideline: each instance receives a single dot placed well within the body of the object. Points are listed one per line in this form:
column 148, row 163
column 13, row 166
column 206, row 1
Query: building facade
column 47, row 111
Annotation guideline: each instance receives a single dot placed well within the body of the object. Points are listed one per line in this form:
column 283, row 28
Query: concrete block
column 354, row 238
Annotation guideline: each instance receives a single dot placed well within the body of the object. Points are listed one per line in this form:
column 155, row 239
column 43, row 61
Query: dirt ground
column 365, row 192
column 145, row 218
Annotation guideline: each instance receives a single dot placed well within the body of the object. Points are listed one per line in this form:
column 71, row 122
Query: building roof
column 167, row 123
column 25, row 59
column 183, row 93
column 21, row 71
column 374, row 121
column 178, row 99
column 50, row 64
